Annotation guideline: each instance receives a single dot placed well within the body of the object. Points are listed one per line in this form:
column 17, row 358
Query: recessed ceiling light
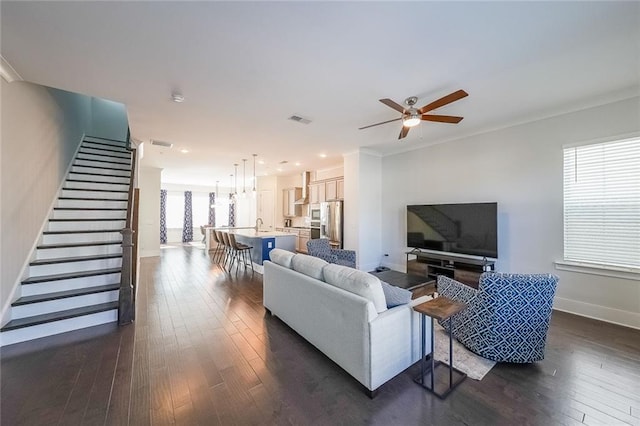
column 184, row 151
column 297, row 163
column 260, row 161
column 177, row 97
column 279, row 169
column 323, row 155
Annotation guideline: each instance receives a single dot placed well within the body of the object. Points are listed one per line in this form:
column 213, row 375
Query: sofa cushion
column 357, row 282
column 395, row 296
column 281, row 257
column 309, row 265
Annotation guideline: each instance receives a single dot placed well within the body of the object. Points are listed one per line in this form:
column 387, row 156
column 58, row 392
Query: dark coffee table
column 416, row 284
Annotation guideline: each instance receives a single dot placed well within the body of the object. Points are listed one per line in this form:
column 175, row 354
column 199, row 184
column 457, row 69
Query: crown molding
column 7, row 72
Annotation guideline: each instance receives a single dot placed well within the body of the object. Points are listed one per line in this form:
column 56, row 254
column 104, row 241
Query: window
column 602, row 204
column 175, row 209
column 200, row 209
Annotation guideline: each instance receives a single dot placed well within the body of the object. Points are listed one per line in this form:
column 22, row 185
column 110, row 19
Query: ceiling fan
column 412, row 116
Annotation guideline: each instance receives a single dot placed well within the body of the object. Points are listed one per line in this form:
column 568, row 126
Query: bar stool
column 241, row 250
column 228, row 251
column 218, row 248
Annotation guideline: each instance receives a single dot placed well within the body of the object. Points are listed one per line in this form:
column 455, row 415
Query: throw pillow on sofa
column 281, row 257
column 395, row 296
column 308, row 265
column 357, row 282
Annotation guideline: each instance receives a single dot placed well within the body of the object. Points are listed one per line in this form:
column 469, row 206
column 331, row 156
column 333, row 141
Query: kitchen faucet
column 261, row 223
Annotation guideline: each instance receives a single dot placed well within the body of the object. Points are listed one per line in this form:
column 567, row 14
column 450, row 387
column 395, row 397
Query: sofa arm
column 395, row 343
column 347, row 255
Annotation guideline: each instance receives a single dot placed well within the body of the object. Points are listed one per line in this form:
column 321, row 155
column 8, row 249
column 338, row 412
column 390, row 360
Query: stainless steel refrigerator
column 331, row 226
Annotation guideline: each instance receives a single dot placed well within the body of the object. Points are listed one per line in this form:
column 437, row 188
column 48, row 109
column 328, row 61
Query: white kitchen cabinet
column 289, row 197
column 340, row 189
column 331, row 190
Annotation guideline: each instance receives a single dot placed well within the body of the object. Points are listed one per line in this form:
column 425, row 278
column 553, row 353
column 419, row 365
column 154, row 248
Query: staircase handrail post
column 126, row 311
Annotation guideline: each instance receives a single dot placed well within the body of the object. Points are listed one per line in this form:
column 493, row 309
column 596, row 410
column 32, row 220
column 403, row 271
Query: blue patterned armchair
column 320, row 247
column 507, row 317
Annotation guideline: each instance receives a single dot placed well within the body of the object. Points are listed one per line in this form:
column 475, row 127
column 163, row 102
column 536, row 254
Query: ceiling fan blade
column 452, row 97
column 377, row 124
column 404, row 132
column 442, row 118
column 392, row 104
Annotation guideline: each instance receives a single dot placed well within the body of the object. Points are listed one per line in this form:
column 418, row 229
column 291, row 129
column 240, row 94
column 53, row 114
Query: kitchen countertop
column 258, row 234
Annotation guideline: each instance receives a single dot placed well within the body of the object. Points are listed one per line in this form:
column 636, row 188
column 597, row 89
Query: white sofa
column 340, row 311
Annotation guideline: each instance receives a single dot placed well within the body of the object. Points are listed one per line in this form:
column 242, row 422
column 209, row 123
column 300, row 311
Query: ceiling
column 245, row 67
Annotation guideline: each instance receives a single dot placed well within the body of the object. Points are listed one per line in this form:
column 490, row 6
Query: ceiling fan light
column 411, row 120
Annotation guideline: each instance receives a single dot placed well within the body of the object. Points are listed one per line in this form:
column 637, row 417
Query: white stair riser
column 70, row 267
column 70, row 284
column 72, row 193
column 89, row 214
column 97, row 185
column 94, row 150
column 81, row 238
column 89, row 169
column 40, row 308
column 93, row 204
column 90, row 163
column 56, row 253
column 120, row 144
column 101, row 157
column 105, row 178
column 57, row 327
column 115, row 225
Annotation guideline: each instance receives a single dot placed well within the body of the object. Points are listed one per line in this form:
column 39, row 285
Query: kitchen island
column 261, row 241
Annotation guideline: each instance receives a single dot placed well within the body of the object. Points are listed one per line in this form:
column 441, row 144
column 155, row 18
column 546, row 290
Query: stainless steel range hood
column 306, row 177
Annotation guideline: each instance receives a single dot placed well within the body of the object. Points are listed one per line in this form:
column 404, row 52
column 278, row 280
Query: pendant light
column 235, row 190
column 254, row 175
column 244, row 178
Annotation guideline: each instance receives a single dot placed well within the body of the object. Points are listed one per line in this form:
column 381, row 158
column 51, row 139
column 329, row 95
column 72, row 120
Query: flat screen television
column 470, row 228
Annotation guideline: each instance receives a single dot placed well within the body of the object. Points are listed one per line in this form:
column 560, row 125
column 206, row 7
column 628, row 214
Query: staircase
column 74, row 280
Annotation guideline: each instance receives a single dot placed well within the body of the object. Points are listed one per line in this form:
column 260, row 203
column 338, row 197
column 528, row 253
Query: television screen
column 457, row 228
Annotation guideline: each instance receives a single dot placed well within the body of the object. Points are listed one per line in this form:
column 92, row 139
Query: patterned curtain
column 187, row 228
column 232, row 211
column 163, row 216
column 212, row 209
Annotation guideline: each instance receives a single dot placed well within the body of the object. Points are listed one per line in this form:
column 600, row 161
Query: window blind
column 602, row 203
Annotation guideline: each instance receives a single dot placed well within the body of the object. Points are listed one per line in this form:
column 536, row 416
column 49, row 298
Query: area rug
column 464, row 360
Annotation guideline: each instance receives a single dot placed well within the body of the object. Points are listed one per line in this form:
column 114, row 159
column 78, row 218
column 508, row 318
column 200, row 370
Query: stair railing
column 128, row 274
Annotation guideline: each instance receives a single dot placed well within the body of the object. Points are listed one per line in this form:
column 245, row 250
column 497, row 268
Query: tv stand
column 463, row 269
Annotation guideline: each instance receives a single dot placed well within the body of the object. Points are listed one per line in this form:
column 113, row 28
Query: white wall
column 521, row 168
column 41, row 130
column 109, row 119
column 362, row 208
column 149, row 219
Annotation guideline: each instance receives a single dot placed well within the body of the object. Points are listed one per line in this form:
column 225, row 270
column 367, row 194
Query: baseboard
column 601, row 313
column 149, row 253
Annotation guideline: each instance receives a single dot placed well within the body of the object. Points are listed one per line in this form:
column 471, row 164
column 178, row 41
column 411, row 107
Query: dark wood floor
column 203, row 352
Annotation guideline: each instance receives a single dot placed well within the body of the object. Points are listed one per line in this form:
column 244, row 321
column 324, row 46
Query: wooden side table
column 439, row 308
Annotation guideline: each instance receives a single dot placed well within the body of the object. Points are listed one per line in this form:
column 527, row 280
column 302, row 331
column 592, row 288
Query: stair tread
column 70, row 275
column 95, row 219
column 94, row 190
column 97, row 174
column 102, row 147
column 26, row 300
column 91, row 199
column 104, row 139
column 96, row 181
column 127, row 163
column 70, row 245
column 60, row 315
column 90, row 208
column 83, row 231
column 75, row 259
column 101, row 167
column 103, row 155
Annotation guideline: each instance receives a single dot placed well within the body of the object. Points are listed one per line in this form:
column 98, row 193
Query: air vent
column 299, row 119
column 161, row 143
